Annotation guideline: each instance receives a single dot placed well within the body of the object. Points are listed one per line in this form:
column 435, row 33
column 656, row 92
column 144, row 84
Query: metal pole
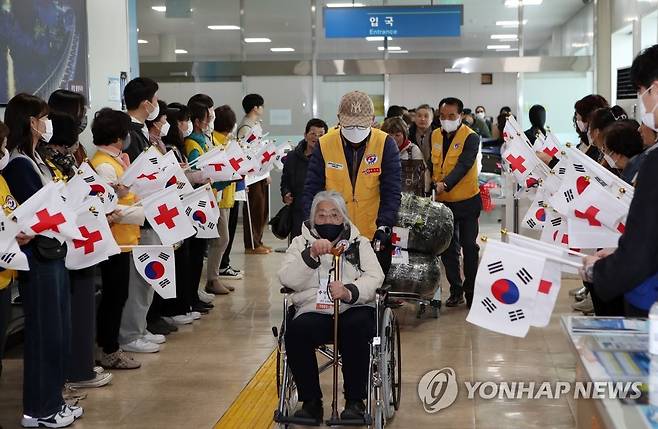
column 314, row 58
column 251, row 227
column 519, row 94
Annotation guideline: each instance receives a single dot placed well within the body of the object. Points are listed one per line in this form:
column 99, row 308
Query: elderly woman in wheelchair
column 307, row 271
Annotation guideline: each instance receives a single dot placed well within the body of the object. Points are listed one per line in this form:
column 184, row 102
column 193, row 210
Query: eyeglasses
column 355, row 127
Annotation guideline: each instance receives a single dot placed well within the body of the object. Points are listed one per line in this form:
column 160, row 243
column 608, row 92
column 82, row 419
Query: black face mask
column 329, row 231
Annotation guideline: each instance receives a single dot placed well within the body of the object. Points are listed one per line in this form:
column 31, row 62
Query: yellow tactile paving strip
column 254, row 407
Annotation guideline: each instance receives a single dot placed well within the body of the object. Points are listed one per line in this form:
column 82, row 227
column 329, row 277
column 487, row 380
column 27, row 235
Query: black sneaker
column 230, row 273
column 454, row 301
column 354, row 410
column 200, row 308
column 158, row 326
column 207, row 305
column 170, row 326
column 311, row 410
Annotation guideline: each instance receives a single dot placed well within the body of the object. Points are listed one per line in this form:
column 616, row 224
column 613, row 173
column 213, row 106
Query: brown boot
column 257, row 251
column 216, row 288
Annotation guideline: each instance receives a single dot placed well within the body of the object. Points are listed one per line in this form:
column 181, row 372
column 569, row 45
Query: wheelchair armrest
column 384, row 290
column 286, row 290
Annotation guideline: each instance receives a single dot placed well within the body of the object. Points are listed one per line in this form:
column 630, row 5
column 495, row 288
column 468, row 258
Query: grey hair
column 333, row 197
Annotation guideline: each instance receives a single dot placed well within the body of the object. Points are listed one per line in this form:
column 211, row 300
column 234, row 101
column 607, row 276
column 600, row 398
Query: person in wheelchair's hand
column 307, row 270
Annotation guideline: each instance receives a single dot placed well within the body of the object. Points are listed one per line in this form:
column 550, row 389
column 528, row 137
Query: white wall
column 109, row 54
column 416, row 89
column 221, row 92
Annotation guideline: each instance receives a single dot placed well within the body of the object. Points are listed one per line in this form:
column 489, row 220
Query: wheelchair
column 384, row 373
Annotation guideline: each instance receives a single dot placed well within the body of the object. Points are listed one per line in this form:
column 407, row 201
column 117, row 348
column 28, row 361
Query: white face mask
column 480, row 115
column 5, row 159
column 355, row 135
column 211, row 122
column 590, row 139
column 647, row 117
column 450, row 126
column 164, row 130
column 48, row 134
column 154, row 113
column 189, row 129
column 582, row 126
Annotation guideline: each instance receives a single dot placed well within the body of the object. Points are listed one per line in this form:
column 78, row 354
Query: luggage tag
column 323, row 299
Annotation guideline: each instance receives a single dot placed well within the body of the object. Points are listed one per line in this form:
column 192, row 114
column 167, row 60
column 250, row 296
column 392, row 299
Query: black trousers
column 614, row 307
column 182, row 303
column 197, row 250
column 356, row 327
column 232, row 225
column 465, row 235
column 5, row 308
column 80, row 365
column 46, row 293
column 115, row 273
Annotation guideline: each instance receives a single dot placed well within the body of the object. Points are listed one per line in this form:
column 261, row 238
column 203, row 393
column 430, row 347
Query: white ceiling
column 288, row 24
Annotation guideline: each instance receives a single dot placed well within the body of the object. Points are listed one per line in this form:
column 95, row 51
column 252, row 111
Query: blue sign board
column 395, row 21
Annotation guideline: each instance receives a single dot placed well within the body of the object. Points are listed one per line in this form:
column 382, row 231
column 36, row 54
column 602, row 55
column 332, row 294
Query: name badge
column 334, row 165
column 323, row 300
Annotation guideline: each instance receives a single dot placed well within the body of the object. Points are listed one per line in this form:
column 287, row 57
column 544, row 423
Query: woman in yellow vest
column 195, row 146
column 223, row 125
column 455, row 176
column 110, row 132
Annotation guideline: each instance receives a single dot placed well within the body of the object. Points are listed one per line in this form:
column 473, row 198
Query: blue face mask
column 329, row 231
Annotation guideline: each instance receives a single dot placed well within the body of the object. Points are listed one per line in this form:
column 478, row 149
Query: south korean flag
column 201, row 208
column 11, row 256
column 156, row 266
column 505, row 289
column 87, row 183
column 536, row 215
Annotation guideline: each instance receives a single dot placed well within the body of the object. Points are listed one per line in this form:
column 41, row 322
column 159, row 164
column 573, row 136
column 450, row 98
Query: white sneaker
column 140, row 346
column 57, row 420
column 154, row 338
column 181, row 319
column 205, row 296
column 194, row 315
column 72, row 410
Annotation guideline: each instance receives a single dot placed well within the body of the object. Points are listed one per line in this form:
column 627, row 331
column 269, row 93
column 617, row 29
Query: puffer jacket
column 361, row 272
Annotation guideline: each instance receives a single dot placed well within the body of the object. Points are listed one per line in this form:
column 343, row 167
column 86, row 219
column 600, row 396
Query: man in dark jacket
column 363, row 164
column 294, row 172
column 142, row 105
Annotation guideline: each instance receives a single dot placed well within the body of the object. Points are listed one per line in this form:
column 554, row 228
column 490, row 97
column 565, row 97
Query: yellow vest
column 190, row 145
column 228, row 193
column 467, row 187
column 124, row 234
column 8, row 204
column 362, row 200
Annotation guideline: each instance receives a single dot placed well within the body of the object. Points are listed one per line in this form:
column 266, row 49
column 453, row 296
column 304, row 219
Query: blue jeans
column 46, row 301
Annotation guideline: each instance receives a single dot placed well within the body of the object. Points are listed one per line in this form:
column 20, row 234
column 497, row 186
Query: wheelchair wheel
column 389, row 363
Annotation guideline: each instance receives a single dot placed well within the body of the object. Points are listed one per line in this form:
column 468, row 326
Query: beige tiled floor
column 202, row 368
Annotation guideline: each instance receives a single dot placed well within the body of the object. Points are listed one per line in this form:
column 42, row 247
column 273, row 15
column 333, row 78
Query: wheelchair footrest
column 366, row 420
column 280, row 418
